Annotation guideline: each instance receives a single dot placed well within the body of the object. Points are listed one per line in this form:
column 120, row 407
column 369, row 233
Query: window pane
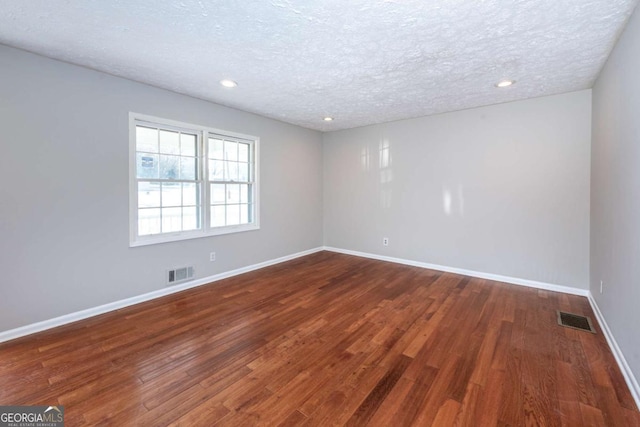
column 148, row 194
column 217, row 194
column 171, row 219
column 169, row 142
column 233, row 193
column 190, row 219
column 244, row 214
column 187, row 168
column 216, row 170
column 169, row 167
column 231, row 150
column 233, row 214
column 244, row 193
column 217, row 216
column 148, row 221
column 146, row 165
column 188, row 144
column 243, row 152
column 243, row 172
column 146, row 139
column 171, row 195
column 189, row 194
column 170, row 179
column 216, row 148
column 231, row 171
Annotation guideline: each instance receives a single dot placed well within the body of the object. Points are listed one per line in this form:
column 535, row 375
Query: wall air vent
column 575, row 321
column 181, row 274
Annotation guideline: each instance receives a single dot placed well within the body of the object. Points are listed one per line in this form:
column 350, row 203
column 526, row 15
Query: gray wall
column 615, row 193
column 64, row 239
column 502, row 189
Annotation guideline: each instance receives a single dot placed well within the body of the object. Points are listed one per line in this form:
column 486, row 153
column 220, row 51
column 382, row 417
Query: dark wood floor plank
column 468, row 411
column 386, row 413
column 420, row 391
column 327, row 339
column 374, row 399
column 439, row 391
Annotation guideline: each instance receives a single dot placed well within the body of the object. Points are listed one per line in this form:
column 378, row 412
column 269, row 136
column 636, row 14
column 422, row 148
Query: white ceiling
column 360, row 61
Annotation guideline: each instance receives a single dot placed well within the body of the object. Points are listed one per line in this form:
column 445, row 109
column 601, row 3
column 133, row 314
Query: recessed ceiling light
column 228, row 83
column 328, row 119
column 505, row 83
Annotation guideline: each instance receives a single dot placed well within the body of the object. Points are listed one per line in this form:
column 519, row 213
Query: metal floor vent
column 575, row 321
column 179, row 275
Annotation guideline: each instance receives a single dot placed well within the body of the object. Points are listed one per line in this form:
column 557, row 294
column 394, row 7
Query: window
column 190, row 181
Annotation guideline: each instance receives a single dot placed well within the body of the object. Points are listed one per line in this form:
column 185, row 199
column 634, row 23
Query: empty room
column 290, row 213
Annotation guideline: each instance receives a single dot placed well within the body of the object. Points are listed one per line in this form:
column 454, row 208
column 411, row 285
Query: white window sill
column 176, row 237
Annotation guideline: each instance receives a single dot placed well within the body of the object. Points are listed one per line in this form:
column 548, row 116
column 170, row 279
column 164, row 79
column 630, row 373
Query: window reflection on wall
column 365, row 159
column 453, row 205
column 386, row 173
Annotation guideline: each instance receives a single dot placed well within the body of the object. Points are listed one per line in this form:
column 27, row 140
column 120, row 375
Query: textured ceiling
column 360, row 61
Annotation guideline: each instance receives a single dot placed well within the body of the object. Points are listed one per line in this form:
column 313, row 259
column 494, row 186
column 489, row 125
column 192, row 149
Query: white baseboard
column 95, row 311
column 478, row 274
column 630, row 379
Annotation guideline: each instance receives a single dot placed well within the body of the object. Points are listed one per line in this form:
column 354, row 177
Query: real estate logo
column 31, row 416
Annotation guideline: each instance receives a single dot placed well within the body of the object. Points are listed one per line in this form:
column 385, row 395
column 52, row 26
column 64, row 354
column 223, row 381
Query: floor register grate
column 575, row 321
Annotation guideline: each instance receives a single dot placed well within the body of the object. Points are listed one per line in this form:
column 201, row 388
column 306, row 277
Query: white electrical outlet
column 601, row 285
column 385, row 241
column 212, row 256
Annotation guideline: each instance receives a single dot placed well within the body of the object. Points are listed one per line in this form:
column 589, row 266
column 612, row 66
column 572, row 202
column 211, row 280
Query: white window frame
column 203, row 134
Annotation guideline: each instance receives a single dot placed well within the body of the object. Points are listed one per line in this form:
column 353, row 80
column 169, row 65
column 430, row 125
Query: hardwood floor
column 327, row 339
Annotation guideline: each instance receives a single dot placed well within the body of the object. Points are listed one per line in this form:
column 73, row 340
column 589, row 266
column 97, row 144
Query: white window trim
column 206, row 231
